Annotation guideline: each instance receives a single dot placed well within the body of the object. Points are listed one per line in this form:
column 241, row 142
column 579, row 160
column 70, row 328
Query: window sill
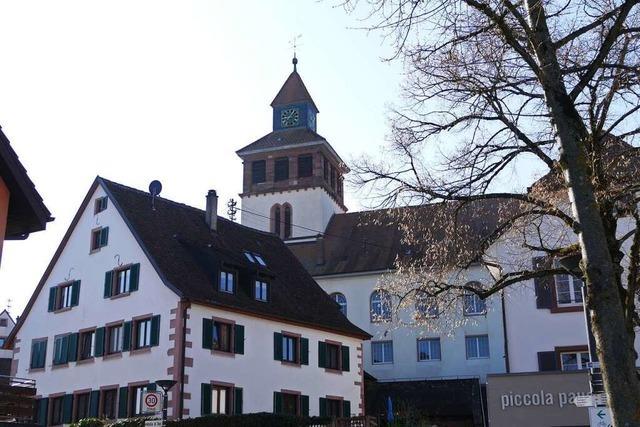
column 292, row 364
column 60, row 366
column 122, row 295
column 61, row 310
column 567, row 309
column 333, row 371
column 34, row 370
column 478, row 358
column 112, row 356
column 223, row 353
column 430, row 361
column 475, row 314
column 96, row 250
column 140, row 351
column 382, row 363
column 85, row 361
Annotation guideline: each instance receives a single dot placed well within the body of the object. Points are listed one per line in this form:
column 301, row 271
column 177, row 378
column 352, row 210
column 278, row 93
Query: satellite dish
column 155, row 188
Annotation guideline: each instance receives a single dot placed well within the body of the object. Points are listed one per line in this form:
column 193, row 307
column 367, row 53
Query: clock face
column 289, row 117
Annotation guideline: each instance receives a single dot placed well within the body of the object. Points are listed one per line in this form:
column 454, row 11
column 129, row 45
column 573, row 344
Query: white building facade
column 137, row 293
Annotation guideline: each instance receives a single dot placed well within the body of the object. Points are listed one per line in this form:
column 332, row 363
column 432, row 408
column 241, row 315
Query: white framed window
column 568, row 290
column 381, row 352
column 477, row 346
column 261, row 290
column 87, row 345
column 137, row 404
column 429, row 349
column 289, row 349
column 473, row 305
column 574, row 360
column 380, row 302
column 227, row 281
column 426, row 306
column 123, row 281
column 114, row 339
column 220, row 399
column 65, row 296
column 143, row 333
column 341, row 300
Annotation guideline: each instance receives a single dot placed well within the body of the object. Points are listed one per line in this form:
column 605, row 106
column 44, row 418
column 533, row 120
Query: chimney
column 211, row 215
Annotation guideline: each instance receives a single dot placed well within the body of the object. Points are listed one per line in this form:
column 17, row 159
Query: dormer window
column 261, row 290
column 255, row 258
column 305, row 165
column 227, row 281
column 250, row 257
column 100, row 204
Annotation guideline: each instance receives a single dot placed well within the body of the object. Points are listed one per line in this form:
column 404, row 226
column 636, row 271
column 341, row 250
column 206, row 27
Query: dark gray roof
column 188, row 257
column 282, row 138
column 292, row 91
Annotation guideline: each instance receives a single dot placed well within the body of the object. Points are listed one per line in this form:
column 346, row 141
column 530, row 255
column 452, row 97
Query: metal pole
column 165, row 403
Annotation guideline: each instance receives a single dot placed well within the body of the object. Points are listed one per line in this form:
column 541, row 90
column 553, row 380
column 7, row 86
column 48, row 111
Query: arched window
column 276, row 219
column 287, row 220
column 341, row 300
column 380, row 306
column 426, row 306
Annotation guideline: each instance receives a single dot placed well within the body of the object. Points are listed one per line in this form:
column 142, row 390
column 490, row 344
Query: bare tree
column 495, row 84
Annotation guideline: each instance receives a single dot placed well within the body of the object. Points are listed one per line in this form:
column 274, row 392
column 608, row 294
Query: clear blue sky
column 142, row 90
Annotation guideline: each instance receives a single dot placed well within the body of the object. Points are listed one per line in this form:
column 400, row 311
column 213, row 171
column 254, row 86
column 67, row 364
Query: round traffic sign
column 151, row 400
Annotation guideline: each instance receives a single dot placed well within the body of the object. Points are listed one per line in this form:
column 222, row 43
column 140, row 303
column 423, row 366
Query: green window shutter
column 304, row 406
column 322, row 354
column 277, row 346
column 108, row 284
column 67, row 408
column 134, row 277
column 237, row 400
column 277, row 402
column 42, row 407
column 304, row 351
column 323, row 407
column 123, row 402
column 75, row 293
column 238, row 337
column 126, row 336
column 38, row 354
column 205, row 399
column 104, row 236
column 345, row 358
column 155, row 330
column 42, row 354
column 346, row 408
column 72, row 347
column 52, row 298
column 207, row 333
column 94, row 403
column 99, row 351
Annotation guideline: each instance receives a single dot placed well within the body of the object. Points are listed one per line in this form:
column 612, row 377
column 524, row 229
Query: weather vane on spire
column 294, row 44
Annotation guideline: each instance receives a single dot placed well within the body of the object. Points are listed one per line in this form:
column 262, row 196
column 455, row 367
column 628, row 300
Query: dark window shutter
column 42, row 407
column 75, row 292
column 99, row 342
column 323, row 407
column 277, row 346
column 67, row 408
column 277, row 402
column 238, row 339
column 543, row 285
column 346, row 408
column 52, row 298
column 72, row 347
column 547, row 361
column 205, row 399
column 345, row 358
column 126, row 336
column 304, row 406
column 152, row 387
column 42, row 354
column 123, row 402
column 134, row 277
column 237, row 400
column 304, row 351
column 108, row 284
column 155, row 330
column 322, row 354
column 94, row 403
column 104, row 236
column 207, row 333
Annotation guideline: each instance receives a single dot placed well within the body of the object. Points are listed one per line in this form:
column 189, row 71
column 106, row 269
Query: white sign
column 600, row 417
column 590, row 400
column 153, row 423
column 151, row 402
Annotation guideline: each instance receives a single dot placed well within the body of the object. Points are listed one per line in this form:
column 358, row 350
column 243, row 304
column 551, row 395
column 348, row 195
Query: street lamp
column 165, row 385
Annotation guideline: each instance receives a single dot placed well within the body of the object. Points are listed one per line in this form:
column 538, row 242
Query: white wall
column 4, row 333
column 259, row 374
column 75, row 263
column 357, row 290
column 311, row 208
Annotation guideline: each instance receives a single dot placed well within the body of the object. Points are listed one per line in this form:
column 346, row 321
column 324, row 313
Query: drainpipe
column 504, row 331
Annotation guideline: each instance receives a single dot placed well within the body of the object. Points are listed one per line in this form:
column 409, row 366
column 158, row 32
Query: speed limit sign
column 152, row 401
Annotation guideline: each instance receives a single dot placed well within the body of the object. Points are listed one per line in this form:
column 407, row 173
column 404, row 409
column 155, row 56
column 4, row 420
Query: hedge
column 261, row 419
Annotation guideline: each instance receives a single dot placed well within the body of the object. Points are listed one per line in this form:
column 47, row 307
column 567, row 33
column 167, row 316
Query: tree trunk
column 615, row 346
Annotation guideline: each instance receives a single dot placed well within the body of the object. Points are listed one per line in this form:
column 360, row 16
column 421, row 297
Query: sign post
column 166, row 385
column 599, row 417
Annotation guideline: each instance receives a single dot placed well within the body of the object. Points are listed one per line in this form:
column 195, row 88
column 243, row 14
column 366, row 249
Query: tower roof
column 293, row 90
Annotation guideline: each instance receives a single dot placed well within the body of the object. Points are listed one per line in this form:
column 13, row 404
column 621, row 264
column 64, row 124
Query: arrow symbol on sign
column 601, row 414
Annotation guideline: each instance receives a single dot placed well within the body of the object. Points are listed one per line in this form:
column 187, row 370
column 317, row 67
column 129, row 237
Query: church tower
column 293, row 178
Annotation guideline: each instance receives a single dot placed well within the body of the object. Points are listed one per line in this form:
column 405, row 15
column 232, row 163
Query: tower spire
column 295, row 62
column 294, row 45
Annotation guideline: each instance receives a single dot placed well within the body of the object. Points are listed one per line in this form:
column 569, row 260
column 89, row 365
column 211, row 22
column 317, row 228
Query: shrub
column 262, row 419
column 89, row 422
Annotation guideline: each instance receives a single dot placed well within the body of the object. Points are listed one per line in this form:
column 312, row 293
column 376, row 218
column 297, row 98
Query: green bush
column 132, row 422
column 262, row 419
column 90, row 422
